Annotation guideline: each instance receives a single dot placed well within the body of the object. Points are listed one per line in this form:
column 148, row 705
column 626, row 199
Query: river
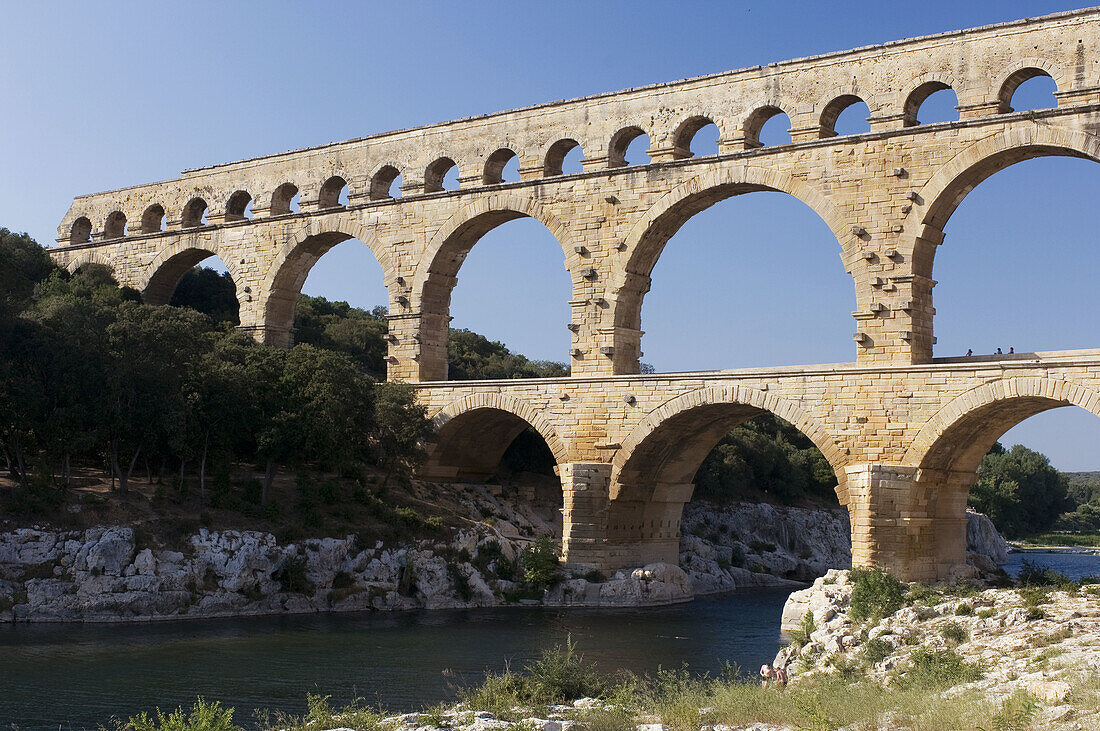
column 78, row 676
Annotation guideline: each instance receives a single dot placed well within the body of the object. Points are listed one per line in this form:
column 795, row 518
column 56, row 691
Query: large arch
column 472, row 434
column 938, row 199
column 158, row 281
column 653, row 229
column 437, row 272
column 283, row 281
column 652, row 474
column 948, row 449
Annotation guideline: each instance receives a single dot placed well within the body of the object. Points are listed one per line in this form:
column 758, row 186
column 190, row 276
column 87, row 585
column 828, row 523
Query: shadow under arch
column 647, row 239
column 161, row 277
column 473, row 433
column 652, row 474
column 948, row 449
column 288, row 271
column 437, row 273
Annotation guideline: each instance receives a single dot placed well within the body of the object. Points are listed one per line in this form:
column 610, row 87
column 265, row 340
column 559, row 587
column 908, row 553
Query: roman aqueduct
column 904, row 431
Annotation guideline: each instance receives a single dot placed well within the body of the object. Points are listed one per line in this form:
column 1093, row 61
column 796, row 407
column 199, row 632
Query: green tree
column 471, row 356
column 401, row 427
column 338, row 326
column 210, row 292
column 1019, row 490
column 768, row 455
column 150, row 352
column 318, row 409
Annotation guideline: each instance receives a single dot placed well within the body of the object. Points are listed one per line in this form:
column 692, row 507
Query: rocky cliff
column 103, row 574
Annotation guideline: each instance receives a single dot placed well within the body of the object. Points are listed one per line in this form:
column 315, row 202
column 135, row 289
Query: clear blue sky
column 103, row 95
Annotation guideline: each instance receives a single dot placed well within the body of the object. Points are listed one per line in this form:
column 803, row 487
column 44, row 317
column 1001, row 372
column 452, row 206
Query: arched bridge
column 903, row 431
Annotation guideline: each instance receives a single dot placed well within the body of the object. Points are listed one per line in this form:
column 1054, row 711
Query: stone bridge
column 903, row 431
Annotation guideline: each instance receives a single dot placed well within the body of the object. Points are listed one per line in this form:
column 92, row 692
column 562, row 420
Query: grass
column 684, row 701
column 1083, row 540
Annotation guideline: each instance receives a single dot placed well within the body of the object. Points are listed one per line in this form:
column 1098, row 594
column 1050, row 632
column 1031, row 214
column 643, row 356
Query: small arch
column 834, row 109
column 1018, row 79
column 473, row 433
column 382, row 185
column 91, row 256
column 436, row 172
column 555, row 156
column 81, row 231
column 115, row 225
column 282, row 199
column 152, row 220
column 194, row 213
column 687, row 132
column 755, row 122
column 494, row 166
column 620, row 141
column 333, row 193
column 237, row 207
column 917, row 98
column 162, row 276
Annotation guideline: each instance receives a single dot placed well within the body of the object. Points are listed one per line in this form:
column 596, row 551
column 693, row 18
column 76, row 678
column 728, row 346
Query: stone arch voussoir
column 511, row 405
column 199, row 242
column 340, row 223
column 925, row 219
column 777, row 405
column 1055, row 389
column 500, row 202
column 1061, row 75
column 88, row 257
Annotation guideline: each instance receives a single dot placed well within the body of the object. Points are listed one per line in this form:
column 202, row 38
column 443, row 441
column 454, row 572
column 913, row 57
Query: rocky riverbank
column 107, row 574
column 1040, row 643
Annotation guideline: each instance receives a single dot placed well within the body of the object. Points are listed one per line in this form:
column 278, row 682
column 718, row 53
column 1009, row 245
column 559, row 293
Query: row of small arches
column 627, row 146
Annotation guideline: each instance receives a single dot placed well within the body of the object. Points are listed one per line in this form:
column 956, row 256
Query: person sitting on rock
column 767, row 672
column 780, row 677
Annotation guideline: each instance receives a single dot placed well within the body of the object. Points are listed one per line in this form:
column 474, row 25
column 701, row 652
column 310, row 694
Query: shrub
column 203, row 717
column 342, row 580
column 540, row 564
column 875, row 594
column 940, row 669
column 954, row 632
column 806, row 627
column 560, row 675
column 292, row 576
column 875, row 651
column 963, row 610
column 1032, row 575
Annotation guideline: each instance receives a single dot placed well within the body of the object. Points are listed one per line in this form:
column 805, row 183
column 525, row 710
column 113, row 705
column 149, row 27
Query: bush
column 954, row 632
column 540, row 564
column 560, row 675
column 935, row 669
column 203, row 717
column 1032, row 575
column 292, row 576
column 876, row 650
column 875, row 594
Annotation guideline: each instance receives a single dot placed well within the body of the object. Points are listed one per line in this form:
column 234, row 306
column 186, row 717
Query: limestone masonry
column 903, row 431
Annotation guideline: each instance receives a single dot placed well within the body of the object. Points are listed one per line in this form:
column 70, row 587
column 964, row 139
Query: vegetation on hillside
column 89, row 374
